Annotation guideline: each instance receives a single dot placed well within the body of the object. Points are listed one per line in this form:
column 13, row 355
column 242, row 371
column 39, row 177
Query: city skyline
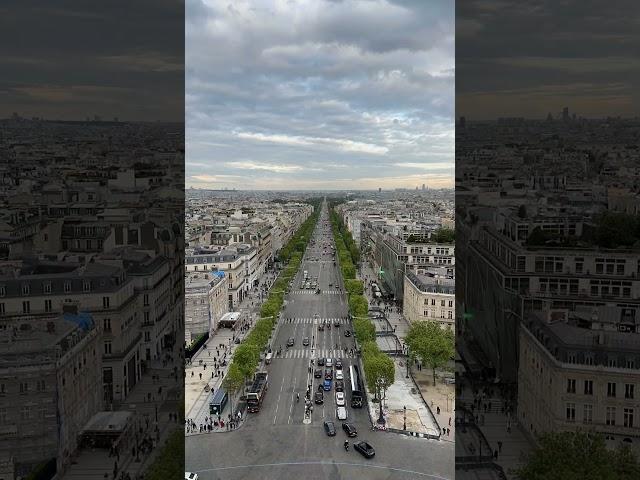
column 326, row 95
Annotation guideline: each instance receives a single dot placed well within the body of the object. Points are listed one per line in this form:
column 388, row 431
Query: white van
column 268, row 358
column 328, row 363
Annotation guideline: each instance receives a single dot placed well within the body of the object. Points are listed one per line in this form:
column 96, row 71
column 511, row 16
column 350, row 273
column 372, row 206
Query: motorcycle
column 346, row 445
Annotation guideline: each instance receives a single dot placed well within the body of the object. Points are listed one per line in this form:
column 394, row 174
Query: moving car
column 340, row 399
column 336, row 322
column 341, row 413
column 338, row 364
column 347, row 333
column 350, row 429
column 339, row 375
column 318, row 398
column 190, row 476
column 330, row 428
column 339, row 385
column 305, row 341
column 317, row 373
column 321, row 362
column 328, row 374
column 326, row 386
column 237, row 340
column 328, row 362
column 365, row 449
column 290, row 342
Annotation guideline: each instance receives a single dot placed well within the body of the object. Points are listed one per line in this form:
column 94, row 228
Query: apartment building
column 581, row 369
column 429, row 297
column 231, row 262
column 49, row 369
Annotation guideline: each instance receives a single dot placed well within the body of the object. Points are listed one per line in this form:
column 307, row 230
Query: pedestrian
column 448, row 432
column 438, row 410
column 449, row 421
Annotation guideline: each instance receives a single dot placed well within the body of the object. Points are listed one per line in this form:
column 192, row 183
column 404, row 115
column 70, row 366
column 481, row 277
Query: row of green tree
column 379, row 368
column 246, row 358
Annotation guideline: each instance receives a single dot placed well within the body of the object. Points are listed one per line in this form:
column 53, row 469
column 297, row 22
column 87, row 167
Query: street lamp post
column 408, row 359
column 404, row 423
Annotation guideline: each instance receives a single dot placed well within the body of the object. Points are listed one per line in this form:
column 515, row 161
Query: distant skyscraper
column 424, row 187
column 565, row 114
column 379, row 189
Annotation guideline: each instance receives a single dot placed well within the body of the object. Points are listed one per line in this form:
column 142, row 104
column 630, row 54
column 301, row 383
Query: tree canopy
column 432, row 344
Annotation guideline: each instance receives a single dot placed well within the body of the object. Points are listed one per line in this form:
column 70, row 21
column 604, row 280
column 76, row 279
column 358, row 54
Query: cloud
column 334, row 88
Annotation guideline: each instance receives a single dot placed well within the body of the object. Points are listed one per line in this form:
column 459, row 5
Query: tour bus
column 356, row 387
column 218, row 402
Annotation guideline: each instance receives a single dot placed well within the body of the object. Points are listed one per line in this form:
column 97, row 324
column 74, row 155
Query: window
column 47, row 287
column 628, row 417
column 610, row 418
column 611, row 389
column 1, row 308
column 433, row 301
column 86, row 286
column 25, row 289
column 631, row 363
column 571, row 385
column 47, row 305
column 67, row 287
column 587, row 414
column 24, row 387
column 106, row 323
column 588, row 387
column 3, row 389
column 105, row 302
column 25, row 412
column 146, row 317
column 26, row 306
column 442, row 303
column 629, row 390
column 146, row 299
column 147, row 336
column 3, row 415
column 40, row 386
column 3, row 290
column 107, row 348
column 571, row 412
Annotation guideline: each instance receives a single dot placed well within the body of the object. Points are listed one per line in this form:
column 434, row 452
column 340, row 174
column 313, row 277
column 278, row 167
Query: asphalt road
column 275, row 443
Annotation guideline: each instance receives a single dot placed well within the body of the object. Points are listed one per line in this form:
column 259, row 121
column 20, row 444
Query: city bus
column 356, row 387
column 219, row 400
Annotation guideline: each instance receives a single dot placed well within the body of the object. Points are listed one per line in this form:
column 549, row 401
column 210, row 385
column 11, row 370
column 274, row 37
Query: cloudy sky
column 70, row 59
column 516, row 58
column 319, row 94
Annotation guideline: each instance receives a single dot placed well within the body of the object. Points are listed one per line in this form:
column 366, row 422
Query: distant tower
column 379, row 189
column 565, row 114
column 424, row 187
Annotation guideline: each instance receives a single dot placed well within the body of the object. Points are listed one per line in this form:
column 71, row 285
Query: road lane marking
column 331, row 463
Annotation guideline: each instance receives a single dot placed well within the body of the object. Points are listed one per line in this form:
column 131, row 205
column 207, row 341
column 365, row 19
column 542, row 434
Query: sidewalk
column 219, row 347
column 441, row 397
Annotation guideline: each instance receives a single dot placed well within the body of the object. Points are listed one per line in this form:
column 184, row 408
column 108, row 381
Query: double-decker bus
column 356, row 387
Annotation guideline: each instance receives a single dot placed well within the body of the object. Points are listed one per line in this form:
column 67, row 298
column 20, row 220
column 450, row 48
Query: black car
column 330, row 428
column 338, row 364
column 364, row 448
column 321, row 362
column 328, row 374
column 350, row 429
column 237, row 341
column 317, row 373
column 318, row 397
column 290, row 342
column 347, row 333
column 339, row 385
column 336, row 322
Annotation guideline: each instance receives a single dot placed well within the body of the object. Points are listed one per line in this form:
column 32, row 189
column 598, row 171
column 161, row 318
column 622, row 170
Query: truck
column 257, row 392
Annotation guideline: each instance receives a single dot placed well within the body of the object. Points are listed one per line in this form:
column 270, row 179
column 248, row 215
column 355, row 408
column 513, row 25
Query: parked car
column 365, row 449
column 318, row 398
column 317, row 373
column 338, row 364
column 349, row 429
column 321, row 362
column 330, row 428
column 328, row 362
column 341, row 413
